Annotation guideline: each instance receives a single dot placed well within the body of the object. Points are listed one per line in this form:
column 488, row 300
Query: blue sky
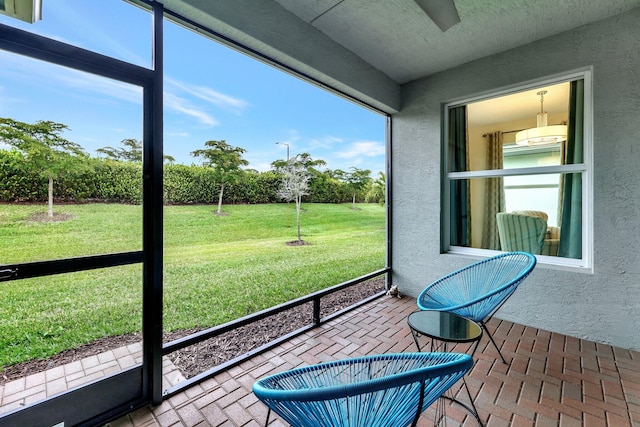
column 211, row 92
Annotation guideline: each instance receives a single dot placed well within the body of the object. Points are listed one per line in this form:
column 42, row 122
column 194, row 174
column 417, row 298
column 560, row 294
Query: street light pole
column 284, row 143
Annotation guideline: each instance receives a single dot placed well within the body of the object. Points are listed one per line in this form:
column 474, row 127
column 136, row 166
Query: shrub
column 19, row 182
column 325, row 189
column 254, row 188
column 115, row 181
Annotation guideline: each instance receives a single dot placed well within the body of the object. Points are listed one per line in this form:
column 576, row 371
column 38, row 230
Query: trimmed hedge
column 121, row 182
column 118, row 182
column 185, row 185
column 254, row 187
column 18, row 181
column 324, row 189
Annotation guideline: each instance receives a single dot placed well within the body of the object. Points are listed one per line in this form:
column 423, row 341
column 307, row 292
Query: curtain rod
column 508, row 131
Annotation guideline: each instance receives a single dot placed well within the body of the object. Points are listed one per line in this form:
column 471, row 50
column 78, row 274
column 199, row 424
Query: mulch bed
column 200, row 357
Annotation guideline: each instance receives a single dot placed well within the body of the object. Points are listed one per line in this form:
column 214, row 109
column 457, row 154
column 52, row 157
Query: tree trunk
column 298, row 205
column 353, row 205
column 50, row 211
column 220, row 199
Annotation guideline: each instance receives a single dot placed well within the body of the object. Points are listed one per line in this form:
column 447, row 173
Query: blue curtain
column 460, row 213
column 570, row 245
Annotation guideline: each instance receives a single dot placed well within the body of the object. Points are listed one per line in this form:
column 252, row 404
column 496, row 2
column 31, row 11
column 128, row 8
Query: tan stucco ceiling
column 398, row 38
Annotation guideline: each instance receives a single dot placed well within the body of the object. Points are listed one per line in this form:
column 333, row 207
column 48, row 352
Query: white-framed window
column 517, row 172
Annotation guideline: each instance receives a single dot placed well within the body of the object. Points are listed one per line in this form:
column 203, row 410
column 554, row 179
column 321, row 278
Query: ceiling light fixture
column 25, row 10
column 542, row 134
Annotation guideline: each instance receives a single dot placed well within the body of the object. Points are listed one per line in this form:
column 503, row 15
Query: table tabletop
column 444, row 326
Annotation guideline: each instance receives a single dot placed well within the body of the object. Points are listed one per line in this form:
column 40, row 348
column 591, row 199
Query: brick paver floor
column 550, row 380
column 32, row 388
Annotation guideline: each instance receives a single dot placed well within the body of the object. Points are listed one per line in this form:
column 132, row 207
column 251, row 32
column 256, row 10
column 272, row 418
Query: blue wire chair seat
column 371, row 391
column 479, row 290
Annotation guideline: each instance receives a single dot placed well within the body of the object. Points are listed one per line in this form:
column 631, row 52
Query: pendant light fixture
column 542, row 134
column 25, row 10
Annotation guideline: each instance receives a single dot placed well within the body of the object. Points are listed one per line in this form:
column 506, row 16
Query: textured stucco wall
column 603, row 306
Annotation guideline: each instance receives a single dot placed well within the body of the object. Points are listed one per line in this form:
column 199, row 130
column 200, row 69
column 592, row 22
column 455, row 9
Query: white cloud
column 54, row 77
column 326, row 142
column 96, row 34
column 219, row 99
column 181, row 105
column 363, row 148
column 294, row 135
column 105, row 87
column 179, row 134
column 209, row 95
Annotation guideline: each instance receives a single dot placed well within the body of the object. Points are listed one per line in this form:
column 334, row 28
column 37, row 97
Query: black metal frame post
column 388, row 196
column 152, row 214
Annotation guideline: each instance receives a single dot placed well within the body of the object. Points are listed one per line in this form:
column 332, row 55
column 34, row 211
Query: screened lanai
column 568, row 332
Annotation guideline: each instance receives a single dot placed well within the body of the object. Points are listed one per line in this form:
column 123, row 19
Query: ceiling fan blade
column 442, row 12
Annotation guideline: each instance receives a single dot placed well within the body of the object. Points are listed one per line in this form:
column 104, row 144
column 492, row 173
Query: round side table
column 446, row 328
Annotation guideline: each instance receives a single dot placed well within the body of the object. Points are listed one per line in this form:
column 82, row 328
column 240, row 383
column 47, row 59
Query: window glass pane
column 530, row 157
column 511, row 123
column 120, row 30
column 539, row 191
column 541, row 214
column 53, row 121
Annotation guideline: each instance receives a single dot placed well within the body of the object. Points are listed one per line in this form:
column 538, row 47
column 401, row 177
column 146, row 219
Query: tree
column 338, row 174
column 43, row 146
column 131, row 153
column 304, row 160
column 225, row 161
column 296, row 173
column 357, row 180
column 377, row 189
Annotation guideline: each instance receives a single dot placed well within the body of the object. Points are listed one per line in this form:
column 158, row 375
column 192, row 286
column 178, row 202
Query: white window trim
column 584, row 265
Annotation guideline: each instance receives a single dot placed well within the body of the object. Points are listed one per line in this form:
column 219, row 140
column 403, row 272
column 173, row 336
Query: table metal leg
column 471, row 408
column 415, row 339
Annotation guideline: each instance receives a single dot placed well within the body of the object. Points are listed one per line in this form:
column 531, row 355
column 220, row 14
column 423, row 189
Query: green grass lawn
column 217, row 268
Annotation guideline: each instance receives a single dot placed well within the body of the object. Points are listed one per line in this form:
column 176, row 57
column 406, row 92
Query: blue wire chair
column 371, row 391
column 479, row 290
